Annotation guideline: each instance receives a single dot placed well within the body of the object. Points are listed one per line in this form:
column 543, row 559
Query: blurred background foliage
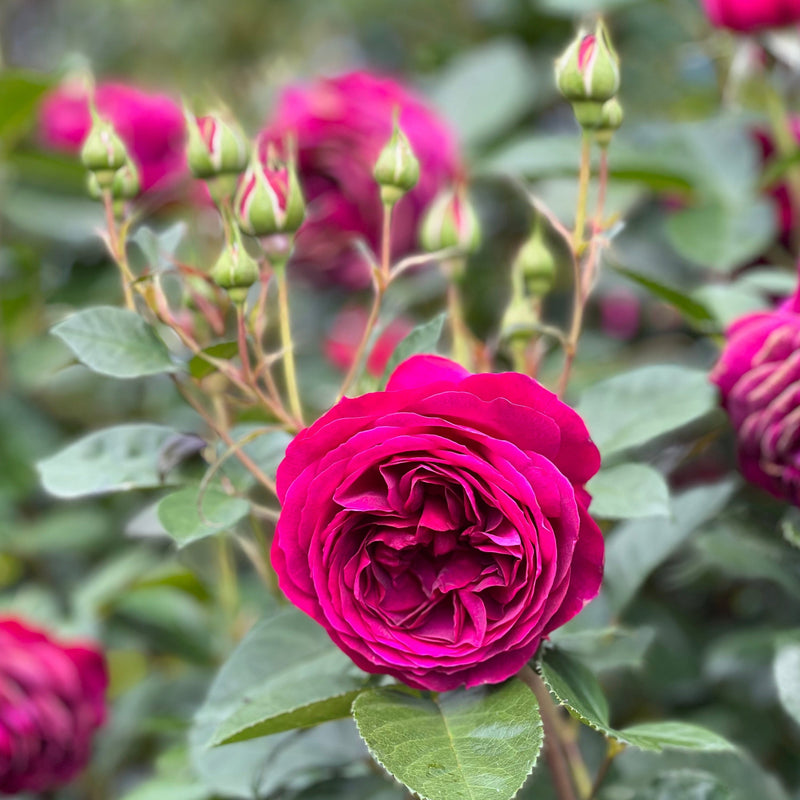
column 687, row 177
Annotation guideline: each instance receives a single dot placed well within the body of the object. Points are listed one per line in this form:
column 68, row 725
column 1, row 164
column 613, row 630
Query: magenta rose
column 747, row 16
column 758, row 375
column 151, row 125
column 339, row 126
column 52, row 699
column 439, row 530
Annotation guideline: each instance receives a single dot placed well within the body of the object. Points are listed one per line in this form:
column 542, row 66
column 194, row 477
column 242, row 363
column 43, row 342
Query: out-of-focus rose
column 339, row 126
column 780, row 192
column 52, row 699
column 758, row 375
column 345, row 334
column 439, row 530
column 151, row 125
column 747, row 16
column 620, row 314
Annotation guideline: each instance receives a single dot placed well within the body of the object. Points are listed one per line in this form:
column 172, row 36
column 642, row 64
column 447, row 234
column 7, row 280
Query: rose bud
column 439, row 530
column 124, row 186
column 103, row 152
column 397, row 168
column 588, row 75
column 611, row 118
column 52, row 700
column 235, row 270
column 451, row 221
column 536, row 263
column 216, row 145
column 269, row 199
column 758, row 375
column 750, row 16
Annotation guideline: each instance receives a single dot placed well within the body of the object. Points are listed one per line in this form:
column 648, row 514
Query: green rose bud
column 235, row 270
column 611, row 120
column 125, row 184
column 103, row 152
column 397, row 168
column 216, row 145
column 450, row 221
column 536, row 264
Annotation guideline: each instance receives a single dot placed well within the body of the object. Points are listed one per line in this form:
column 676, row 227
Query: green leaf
column 786, row 669
column 470, row 744
column 686, row 784
column 115, row 341
column 636, row 548
column 186, row 521
column 677, row 735
column 307, row 681
column 159, row 246
column 605, row 648
column 200, row 368
column 20, row 91
column 423, row 339
column 790, row 527
column 628, row 491
column 731, row 301
column 167, row 789
column 721, row 236
column 634, row 408
column 265, row 447
column 111, row 460
column 260, row 767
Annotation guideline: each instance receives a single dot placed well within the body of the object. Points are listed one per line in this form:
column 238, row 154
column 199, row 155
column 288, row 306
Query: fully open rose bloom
column 747, row 16
column 151, row 125
column 52, row 699
column 339, row 126
column 759, row 377
column 439, row 529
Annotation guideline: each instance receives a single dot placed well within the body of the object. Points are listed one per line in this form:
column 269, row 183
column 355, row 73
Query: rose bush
column 747, row 16
column 52, row 700
column 758, row 375
column 439, row 529
column 339, row 126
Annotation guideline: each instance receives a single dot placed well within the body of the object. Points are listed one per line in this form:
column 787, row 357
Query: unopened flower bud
column 588, row 74
column 270, row 199
column 216, row 145
column 611, row 121
column 536, row 263
column 519, row 320
column 451, row 221
column 397, row 168
column 103, row 151
column 125, row 183
column 235, row 270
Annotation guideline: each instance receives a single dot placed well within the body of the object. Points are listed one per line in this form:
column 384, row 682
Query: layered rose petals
column 438, row 530
column 748, row 16
column 52, row 699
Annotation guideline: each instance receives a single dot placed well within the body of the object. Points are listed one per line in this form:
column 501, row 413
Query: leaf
column 636, row 548
column 659, row 736
column 790, row 527
column 111, row 460
column 159, row 246
column 470, row 744
column 115, row 341
column 634, row 408
column 20, row 91
column 186, row 522
column 259, row 768
column 686, row 784
column 265, row 447
column 605, row 648
column 423, row 339
column 200, row 368
column 721, row 236
column 731, row 301
column 307, row 681
column 628, row 491
column 167, row 789
column 786, row 670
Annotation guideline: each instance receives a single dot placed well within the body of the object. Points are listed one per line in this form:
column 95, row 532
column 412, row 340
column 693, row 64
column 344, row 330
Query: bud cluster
column 588, row 75
column 106, row 158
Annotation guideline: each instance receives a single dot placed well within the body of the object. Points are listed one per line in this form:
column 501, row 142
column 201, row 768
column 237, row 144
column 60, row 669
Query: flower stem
column 583, row 193
column 386, row 243
column 458, row 327
column 290, row 371
column 117, row 248
column 553, row 747
column 377, row 300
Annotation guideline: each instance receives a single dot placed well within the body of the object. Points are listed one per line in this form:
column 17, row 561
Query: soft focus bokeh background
column 687, row 176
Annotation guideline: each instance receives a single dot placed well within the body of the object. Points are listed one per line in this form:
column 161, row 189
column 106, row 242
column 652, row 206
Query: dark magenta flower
column 439, row 530
column 52, row 700
column 339, row 126
column 748, row 16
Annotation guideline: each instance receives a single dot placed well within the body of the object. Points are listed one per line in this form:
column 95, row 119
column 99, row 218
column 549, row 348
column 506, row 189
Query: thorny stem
column 553, row 749
column 290, row 370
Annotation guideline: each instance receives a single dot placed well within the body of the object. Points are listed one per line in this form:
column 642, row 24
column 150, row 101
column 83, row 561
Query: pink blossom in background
column 151, row 125
column 748, row 16
column 339, row 126
column 758, row 375
column 52, row 700
column 439, row 530
column 620, row 314
column 345, row 335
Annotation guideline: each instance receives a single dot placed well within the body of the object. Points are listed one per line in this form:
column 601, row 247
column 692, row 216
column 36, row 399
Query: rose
column 151, row 125
column 439, row 530
column 758, row 375
column 345, row 334
column 339, row 126
column 747, row 16
column 52, row 699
